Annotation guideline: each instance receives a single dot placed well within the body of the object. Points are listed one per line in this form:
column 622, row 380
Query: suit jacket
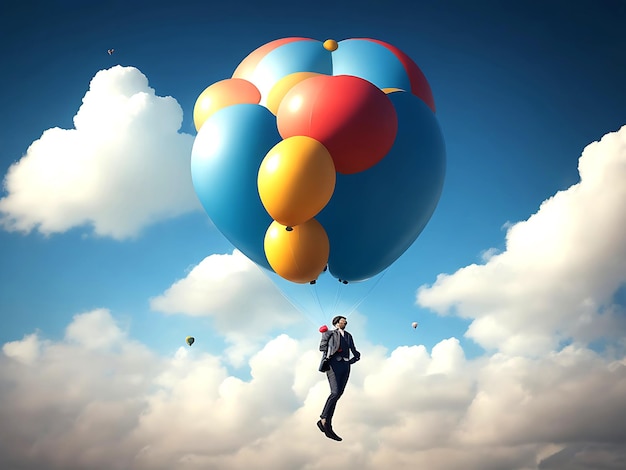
column 330, row 344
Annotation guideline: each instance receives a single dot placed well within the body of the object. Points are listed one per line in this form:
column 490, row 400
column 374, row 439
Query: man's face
column 342, row 323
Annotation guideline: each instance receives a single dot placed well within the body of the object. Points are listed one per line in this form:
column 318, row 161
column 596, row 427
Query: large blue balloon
column 375, row 215
column 225, row 160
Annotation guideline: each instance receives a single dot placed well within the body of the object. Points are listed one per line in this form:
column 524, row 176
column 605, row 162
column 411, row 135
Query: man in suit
column 336, row 346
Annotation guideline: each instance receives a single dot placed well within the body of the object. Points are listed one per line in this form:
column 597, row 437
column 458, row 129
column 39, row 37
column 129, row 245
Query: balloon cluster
column 320, row 155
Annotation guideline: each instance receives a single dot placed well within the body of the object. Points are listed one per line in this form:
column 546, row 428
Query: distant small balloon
column 190, row 340
column 323, row 329
column 414, row 324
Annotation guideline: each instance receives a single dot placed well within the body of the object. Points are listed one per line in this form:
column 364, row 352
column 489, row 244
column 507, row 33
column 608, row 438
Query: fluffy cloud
column 215, row 288
column 25, row 351
column 68, row 399
column 121, row 406
column 242, row 301
column 557, row 279
column 124, row 165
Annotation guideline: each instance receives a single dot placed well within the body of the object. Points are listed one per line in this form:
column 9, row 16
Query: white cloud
column 242, row 301
column 489, row 253
column 123, row 167
column 447, row 356
column 72, row 400
column 121, row 406
column 556, row 279
column 231, row 289
column 95, row 330
column 25, row 351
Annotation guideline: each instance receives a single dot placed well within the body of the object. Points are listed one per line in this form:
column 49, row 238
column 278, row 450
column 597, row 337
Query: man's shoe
column 331, row 434
column 321, row 426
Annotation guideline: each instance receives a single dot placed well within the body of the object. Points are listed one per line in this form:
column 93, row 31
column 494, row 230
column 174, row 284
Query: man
column 336, row 346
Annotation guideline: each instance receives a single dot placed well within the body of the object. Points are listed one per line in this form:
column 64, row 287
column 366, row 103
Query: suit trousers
column 338, row 375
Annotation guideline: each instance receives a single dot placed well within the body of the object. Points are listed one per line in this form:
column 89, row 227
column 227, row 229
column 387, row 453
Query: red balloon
column 323, row 329
column 354, row 119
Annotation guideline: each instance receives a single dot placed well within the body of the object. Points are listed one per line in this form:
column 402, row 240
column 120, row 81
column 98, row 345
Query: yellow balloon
column 300, row 254
column 330, row 45
column 392, row 90
column 282, row 86
column 221, row 94
column 296, row 180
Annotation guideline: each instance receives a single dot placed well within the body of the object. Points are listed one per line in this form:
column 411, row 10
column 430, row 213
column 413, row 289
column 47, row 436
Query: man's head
column 340, row 322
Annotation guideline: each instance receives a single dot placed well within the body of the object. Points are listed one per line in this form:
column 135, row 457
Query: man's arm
column 355, row 353
column 324, row 341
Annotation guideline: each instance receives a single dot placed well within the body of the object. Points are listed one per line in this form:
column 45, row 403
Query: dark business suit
column 336, row 348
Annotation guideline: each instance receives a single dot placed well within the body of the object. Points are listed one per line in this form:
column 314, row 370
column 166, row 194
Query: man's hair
column 337, row 318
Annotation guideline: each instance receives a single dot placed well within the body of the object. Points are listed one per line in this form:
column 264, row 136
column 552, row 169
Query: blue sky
column 518, row 275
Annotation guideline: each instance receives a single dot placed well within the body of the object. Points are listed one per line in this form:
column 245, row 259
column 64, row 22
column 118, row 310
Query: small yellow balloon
column 330, row 45
column 282, row 86
column 392, row 90
column 221, row 94
column 300, row 254
column 296, row 180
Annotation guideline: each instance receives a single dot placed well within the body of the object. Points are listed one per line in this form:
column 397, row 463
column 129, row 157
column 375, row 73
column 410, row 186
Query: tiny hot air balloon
column 414, row 324
column 189, row 340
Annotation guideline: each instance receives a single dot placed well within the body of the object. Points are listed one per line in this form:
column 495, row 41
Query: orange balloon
column 221, row 94
column 296, row 180
column 282, row 86
column 300, row 254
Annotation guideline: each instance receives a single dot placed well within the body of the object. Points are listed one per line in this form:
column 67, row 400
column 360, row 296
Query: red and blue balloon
column 318, row 156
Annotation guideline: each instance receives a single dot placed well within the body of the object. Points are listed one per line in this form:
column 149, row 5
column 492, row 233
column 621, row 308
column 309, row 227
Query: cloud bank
column 560, row 277
column 124, row 166
column 118, row 405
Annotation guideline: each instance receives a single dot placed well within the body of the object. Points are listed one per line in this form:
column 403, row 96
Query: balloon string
column 360, row 301
column 316, row 294
column 310, row 313
column 338, row 296
column 299, row 307
column 296, row 305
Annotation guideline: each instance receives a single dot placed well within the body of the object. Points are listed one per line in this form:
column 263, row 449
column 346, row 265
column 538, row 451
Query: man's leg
column 331, row 401
column 341, row 375
column 337, row 379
